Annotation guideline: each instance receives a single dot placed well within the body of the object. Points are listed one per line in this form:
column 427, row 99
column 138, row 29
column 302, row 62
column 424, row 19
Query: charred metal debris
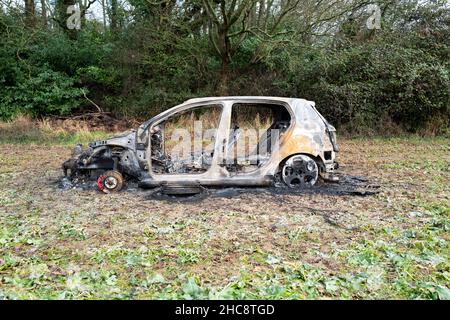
column 296, row 148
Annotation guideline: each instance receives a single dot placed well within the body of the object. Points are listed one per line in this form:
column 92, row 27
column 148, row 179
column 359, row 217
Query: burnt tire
column 300, row 171
column 181, row 189
column 110, row 181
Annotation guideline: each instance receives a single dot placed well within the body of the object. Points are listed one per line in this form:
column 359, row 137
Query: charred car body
column 299, row 146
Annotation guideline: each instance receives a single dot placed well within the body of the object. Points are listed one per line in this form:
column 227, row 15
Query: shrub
column 363, row 85
column 46, row 93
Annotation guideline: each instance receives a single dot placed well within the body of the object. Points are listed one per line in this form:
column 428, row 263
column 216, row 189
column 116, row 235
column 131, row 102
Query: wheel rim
column 300, row 171
column 111, row 182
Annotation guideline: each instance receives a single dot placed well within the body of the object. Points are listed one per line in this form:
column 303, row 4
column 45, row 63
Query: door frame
column 214, row 170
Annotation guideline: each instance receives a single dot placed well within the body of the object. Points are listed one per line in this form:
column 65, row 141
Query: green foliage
column 108, row 78
column 366, row 81
column 46, row 73
column 47, row 93
column 396, row 78
column 366, row 84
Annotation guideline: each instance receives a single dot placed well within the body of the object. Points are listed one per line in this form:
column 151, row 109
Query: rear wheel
column 300, row 171
column 110, row 181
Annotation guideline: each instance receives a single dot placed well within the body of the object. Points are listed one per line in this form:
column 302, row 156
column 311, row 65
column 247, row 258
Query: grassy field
column 87, row 245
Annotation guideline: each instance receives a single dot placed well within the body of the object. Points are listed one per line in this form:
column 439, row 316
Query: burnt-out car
column 238, row 141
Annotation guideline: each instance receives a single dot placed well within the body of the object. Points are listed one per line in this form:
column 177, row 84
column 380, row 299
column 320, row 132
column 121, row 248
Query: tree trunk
column 113, row 16
column 222, row 88
column 82, row 5
column 44, row 12
column 63, row 16
column 104, row 14
column 225, row 57
column 261, row 12
column 29, row 12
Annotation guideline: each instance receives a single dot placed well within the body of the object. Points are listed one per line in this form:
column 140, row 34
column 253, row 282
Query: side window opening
column 255, row 129
column 184, row 142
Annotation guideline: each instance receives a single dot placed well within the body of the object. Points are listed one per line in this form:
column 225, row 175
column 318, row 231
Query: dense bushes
column 43, row 72
column 363, row 86
column 45, row 93
column 395, row 78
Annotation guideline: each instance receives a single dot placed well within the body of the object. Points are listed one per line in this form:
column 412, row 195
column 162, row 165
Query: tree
column 114, row 15
column 62, row 16
column 84, row 6
column 231, row 22
column 29, row 12
column 222, row 20
column 44, row 12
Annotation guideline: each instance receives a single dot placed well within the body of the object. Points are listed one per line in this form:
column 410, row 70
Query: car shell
column 309, row 134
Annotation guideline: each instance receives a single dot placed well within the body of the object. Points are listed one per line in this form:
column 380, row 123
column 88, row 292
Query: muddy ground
column 244, row 244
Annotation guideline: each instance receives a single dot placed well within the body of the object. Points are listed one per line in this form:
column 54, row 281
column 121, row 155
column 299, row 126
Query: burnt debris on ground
column 347, row 185
column 84, row 183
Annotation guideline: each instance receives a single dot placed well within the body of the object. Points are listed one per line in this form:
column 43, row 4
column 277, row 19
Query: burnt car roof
column 255, row 98
column 295, row 104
